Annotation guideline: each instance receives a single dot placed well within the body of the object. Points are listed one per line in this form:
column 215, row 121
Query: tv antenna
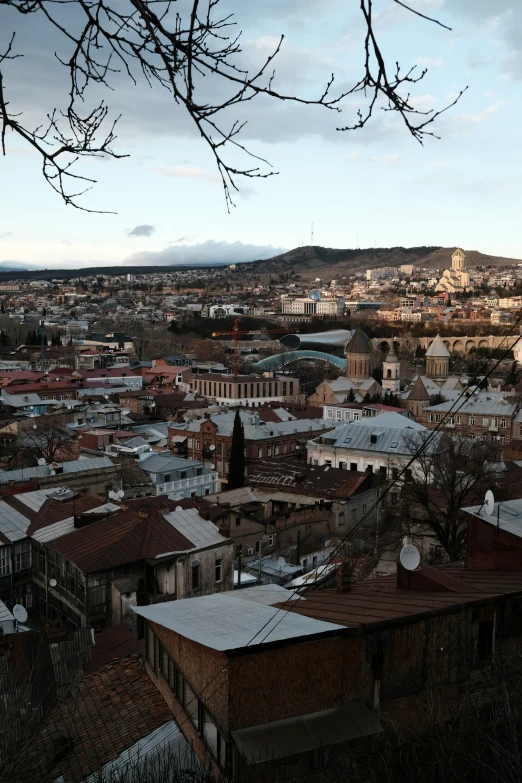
column 410, row 557
column 312, row 234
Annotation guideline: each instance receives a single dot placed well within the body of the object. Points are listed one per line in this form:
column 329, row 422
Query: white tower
column 391, row 371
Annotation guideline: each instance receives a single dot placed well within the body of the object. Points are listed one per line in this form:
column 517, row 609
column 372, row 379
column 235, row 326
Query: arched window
column 388, row 374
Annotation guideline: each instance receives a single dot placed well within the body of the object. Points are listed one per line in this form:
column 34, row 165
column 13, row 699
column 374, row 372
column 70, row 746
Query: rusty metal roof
column 379, row 602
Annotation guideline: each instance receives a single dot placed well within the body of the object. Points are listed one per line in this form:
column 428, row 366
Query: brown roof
column 122, row 538
column 55, row 510
column 107, row 713
column 112, row 643
column 359, row 343
column 380, row 602
column 294, row 475
column 419, row 391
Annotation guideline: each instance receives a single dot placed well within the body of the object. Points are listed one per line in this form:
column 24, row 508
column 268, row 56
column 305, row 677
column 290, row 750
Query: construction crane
column 236, row 333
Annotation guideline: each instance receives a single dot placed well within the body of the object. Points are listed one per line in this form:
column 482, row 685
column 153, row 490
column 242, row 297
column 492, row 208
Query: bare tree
column 192, row 55
column 48, row 439
column 443, row 481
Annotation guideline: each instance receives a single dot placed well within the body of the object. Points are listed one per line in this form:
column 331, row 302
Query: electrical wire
column 465, row 394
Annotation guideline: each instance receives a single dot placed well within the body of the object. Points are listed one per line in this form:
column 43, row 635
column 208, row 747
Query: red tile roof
column 107, row 713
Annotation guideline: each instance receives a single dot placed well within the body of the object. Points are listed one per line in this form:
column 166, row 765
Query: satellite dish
column 410, row 557
column 281, row 561
column 489, row 502
column 20, row 613
column 41, row 461
column 52, row 582
column 212, row 447
column 314, row 294
column 212, row 466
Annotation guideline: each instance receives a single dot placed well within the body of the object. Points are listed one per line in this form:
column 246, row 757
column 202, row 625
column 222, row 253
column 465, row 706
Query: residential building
column 401, row 673
column 210, row 438
column 95, row 475
column 355, row 411
column 178, row 477
column 381, row 445
column 486, row 416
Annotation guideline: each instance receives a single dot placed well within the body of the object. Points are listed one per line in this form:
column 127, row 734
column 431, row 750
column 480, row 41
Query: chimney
column 143, row 513
column 343, row 577
column 163, row 509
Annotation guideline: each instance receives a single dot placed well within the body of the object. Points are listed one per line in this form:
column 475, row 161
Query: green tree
column 236, row 475
column 350, row 397
column 513, row 375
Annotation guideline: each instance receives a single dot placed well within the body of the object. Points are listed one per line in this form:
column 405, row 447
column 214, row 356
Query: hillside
column 332, row 263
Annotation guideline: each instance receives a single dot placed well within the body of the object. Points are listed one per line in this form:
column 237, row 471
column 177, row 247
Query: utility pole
column 260, row 547
column 239, row 569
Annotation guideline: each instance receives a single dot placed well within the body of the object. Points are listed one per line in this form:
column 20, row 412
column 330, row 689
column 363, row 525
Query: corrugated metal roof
column 225, row 622
column 479, row 404
column 13, row 524
column 390, row 440
column 41, row 471
column 255, row 429
column 161, row 463
column 198, row 530
column 5, row 614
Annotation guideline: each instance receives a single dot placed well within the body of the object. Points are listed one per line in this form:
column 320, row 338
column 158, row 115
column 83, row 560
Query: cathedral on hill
column 456, row 279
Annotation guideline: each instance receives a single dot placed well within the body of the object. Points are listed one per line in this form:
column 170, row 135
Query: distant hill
column 331, row 262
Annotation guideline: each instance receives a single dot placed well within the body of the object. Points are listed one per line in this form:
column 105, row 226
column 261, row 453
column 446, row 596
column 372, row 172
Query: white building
column 227, row 310
column 331, row 306
column 297, row 305
column 380, row 445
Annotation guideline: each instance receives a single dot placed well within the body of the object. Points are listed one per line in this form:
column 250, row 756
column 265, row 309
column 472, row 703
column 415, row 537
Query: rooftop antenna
column 312, row 235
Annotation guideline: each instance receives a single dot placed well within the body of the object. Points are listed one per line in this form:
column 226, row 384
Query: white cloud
column 204, row 253
column 143, row 230
column 482, row 116
column 6, row 235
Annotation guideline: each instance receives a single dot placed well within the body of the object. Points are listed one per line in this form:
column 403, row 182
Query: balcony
column 197, row 481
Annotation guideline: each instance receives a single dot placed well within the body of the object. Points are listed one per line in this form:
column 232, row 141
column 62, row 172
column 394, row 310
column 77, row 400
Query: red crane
column 236, row 332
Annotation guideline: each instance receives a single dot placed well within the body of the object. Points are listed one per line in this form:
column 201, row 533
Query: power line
column 465, row 393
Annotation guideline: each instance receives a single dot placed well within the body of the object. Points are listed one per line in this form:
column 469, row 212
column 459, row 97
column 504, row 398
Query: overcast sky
column 372, row 186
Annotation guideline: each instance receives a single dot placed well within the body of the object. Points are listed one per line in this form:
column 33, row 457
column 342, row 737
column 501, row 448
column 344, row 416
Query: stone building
column 358, row 352
column 391, row 372
column 437, row 359
column 456, row 279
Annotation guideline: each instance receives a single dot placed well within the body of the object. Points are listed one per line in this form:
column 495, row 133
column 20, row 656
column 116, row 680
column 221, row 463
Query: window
column 356, row 416
column 194, row 493
column 218, row 570
column 485, row 422
column 341, row 518
column 166, row 477
column 269, row 451
column 373, row 438
column 342, row 465
column 394, row 444
column 353, row 466
column 239, row 550
column 430, row 417
column 260, row 452
column 338, row 415
column 238, row 521
column 22, row 555
column 270, row 540
column 347, row 441
column 459, row 419
column 503, row 423
column 5, row 565
column 329, row 413
column 472, row 420
column 197, row 444
column 198, row 471
column 304, row 563
column 196, row 577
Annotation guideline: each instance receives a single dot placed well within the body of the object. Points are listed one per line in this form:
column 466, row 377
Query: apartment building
column 246, row 390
